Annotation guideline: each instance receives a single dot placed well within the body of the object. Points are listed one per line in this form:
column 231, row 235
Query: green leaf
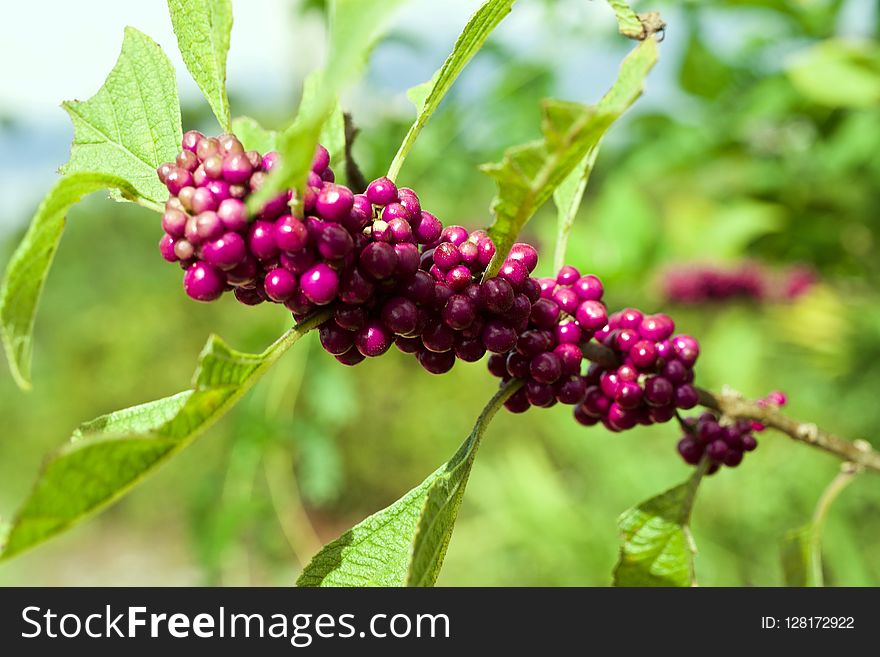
column 427, row 96
column 627, row 20
column 657, row 547
column 29, row 266
column 355, row 27
column 132, row 125
column 568, row 197
column 839, row 73
column 405, row 543
column 203, row 28
column 529, row 174
column 802, row 547
column 108, row 456
column 253, row 136
column 801, row 562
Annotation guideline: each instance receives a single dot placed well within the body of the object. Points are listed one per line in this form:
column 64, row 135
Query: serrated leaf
column 802, row 547
column 203, row 29
column 29, row 266
column 253, row 136
column 427, row 96
column 355, row 27
column 132, row 125
column 108, row 456
column 529, row 174
column 405, row 544
column 657, row 548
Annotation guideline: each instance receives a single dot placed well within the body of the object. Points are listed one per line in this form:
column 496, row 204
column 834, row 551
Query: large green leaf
column 427, row 96
column 108, row 456
column 657, row 548
column 203, row 29
column 132, row 125
column 529, row 174
column 405, row 543
column 355, row 27
column 27, row 270
column 802, row 547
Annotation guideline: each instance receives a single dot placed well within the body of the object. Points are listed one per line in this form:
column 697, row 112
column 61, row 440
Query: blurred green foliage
column 762, row 145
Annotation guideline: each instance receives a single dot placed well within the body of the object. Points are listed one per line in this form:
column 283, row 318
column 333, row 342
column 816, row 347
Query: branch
column 734, row 405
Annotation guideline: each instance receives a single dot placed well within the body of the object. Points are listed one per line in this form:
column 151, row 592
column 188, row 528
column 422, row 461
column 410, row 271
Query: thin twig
column 734, row 405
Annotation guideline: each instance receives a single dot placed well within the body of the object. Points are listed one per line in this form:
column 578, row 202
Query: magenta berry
column 203, row 282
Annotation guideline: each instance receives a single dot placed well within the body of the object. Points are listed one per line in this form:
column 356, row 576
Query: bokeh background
column 756, row 142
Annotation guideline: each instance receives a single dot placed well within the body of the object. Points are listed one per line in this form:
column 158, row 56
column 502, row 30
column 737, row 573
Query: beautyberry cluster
column 721, row 444
column 696, row 284
column 654, row 376
column 566, row 312
column 220, row 248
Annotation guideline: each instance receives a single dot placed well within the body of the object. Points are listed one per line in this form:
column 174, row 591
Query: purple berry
column 454, row 234
column 496, row 295
column 498, row 336
column 261, row 240
column 470, row 350
column 567, row 299
column 568, row 333
column 571, row 357
column 290, row 233
column 320, row 284
column 427, row 229
column 233, row 214
column 321, row 159
column 400, row 315
column 656, row 327
column 351, row 357
column 658, row 391
column 237, row 168
column 514, row 272
column 459, row 312
column 225, row 252
column 589, row 288
column 686, row 396
column 691, row 451
column 166, row 248
column 545, row 313
column 571, row 390
column 629, row 395
column 436, row 362
column 526, row 254
column 458, row 278
column 191, row 140
column 568, row 275
column 643, row 355
column 372, row 339
column 335, row 339
column 382, row 191
column 546, row 368
column 379, row 260
column 279, row 284
column 334, row 202
column 203, row 282
column 446, row 256
column 686, row 349
column 334, row 242
column 591, row 315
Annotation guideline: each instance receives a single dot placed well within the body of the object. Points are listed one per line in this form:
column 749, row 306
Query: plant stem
column 734, row 405
column 844, row 478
